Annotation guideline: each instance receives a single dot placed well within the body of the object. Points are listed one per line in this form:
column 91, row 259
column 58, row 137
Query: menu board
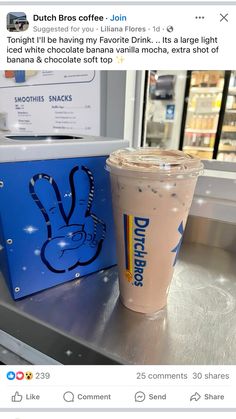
column 50, row 102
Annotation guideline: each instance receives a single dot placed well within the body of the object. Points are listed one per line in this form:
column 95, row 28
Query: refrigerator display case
column 163, row 108
column 204, row 93
column 194, row 111
column 227, row 141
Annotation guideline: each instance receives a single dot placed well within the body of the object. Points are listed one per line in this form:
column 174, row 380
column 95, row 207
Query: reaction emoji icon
column 19, row 375
column 11, row 375
column 75, row 234
column 28, row 375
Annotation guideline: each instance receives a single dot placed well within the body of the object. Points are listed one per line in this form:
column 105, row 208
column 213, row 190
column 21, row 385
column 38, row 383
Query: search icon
column 68, row 396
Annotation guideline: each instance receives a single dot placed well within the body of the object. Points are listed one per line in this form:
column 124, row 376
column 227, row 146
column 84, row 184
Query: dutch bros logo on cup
column 135, row 237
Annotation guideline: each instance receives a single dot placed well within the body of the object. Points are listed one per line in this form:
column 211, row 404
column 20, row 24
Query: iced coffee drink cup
column 152, row 191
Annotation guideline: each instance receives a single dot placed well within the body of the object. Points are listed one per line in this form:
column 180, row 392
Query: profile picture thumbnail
column 17, row 22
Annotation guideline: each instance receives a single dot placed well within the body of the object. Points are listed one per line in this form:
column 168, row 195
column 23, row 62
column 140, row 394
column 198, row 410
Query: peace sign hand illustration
column 73, row 239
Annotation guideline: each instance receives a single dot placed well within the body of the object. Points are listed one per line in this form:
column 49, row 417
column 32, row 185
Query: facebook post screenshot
column 117, row 209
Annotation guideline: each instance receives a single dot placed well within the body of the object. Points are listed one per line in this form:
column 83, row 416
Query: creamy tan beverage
column 152, row 191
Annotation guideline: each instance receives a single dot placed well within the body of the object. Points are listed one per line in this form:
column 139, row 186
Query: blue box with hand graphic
column 55, row 210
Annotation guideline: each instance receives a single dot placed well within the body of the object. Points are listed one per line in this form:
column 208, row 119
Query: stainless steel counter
column 84, row 322
column 10, row 358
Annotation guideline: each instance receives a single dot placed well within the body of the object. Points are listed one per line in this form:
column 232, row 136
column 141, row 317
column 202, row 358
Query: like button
column 17, row 397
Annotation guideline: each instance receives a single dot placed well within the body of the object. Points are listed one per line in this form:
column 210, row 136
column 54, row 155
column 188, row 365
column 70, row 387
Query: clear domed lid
column 154, row 160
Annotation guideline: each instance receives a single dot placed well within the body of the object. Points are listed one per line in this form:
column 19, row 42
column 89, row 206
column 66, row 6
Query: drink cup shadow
column 139, row 338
